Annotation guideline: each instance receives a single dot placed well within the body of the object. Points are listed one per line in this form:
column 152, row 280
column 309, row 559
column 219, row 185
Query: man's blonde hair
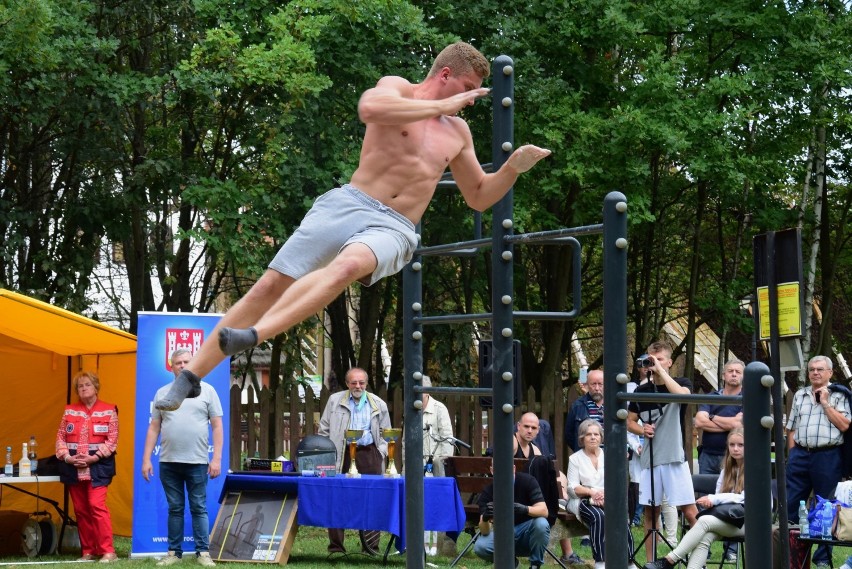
column 462, row 59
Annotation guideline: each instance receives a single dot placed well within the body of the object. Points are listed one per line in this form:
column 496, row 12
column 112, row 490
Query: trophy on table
column 391, row 436
column 352, row 436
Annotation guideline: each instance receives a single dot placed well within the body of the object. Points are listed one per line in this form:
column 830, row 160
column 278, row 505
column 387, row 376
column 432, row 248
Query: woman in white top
column 586, row 487
column 729, row 490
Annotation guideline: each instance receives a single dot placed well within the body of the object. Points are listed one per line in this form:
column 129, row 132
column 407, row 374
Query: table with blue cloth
column 371, row 502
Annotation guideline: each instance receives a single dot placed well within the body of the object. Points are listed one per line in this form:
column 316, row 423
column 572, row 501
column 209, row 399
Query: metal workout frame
column 614, row 229
column 501, row 242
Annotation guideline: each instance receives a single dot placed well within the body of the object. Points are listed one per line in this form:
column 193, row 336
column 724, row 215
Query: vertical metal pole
column 757, row 426
column 615, row 376
column 777, row 400
column 412, row 299
column 502, row 380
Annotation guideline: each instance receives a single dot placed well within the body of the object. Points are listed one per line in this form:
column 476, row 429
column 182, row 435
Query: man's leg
column 304, row 298
column 196, row 488
column 651, row 514
column 825, row 473
column 171, row 477
column 531, row 538
column 369, row 460
column 484, row 547
column 245, row 312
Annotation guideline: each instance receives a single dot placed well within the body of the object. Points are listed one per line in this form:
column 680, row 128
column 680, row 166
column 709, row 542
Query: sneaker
column 109, row 558
column 204, row 559
column 730, row 557
column 586, row 542
column 572, row 559
column 661, row 563
column 169, row 559
column 845, row 566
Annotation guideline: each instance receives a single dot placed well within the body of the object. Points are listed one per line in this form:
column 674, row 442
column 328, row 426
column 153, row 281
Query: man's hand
column 452, row 105
column 521, row 510
column 526, row 157
column 147, row 470
column 488, row 513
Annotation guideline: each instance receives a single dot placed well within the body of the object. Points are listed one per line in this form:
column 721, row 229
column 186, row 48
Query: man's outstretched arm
column 481, row 190
column 392, row 101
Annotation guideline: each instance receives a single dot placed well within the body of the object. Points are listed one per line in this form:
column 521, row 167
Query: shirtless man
column 365, row 230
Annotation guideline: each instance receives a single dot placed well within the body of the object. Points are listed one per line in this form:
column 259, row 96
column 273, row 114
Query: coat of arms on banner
column 182, row 338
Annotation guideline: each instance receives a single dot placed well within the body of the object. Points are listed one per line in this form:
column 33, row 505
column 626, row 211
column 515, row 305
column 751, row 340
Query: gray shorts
column 339, row 218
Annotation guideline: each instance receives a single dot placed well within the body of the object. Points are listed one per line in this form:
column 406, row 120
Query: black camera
column 644, row 361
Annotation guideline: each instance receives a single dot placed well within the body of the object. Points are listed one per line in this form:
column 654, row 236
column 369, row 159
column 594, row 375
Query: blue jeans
column 817, row 471
column 710, row 463
column 531, row 538
column 175, row 477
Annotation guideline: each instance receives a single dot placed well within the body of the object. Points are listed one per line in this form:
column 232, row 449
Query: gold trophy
column 391, row 436
column 352, row 436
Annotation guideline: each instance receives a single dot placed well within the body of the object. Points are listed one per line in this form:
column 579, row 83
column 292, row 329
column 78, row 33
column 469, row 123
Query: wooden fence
column 279, row 420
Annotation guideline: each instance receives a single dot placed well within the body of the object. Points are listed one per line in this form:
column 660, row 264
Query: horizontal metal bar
column 532, row 315
column 452, row 247
column 681, row 398
column 547, row 235
column 452, row 318
column 455, row 390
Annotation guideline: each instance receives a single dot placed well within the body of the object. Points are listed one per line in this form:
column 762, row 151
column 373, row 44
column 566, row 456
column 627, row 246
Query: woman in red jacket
column 85, row 444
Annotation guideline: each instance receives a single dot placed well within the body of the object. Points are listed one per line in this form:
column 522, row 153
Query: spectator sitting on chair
column 586, row 487
column 528, row 430
column 729, row 489
column 532, row 532
column 817, row 421
column 715, row 422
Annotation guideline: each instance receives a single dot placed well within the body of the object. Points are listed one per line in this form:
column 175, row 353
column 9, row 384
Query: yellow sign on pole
column 789, row 310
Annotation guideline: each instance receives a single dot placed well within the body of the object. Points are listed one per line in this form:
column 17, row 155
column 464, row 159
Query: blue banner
column 159, row 334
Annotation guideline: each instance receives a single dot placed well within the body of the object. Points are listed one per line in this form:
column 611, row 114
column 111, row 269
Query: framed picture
column 256, row 527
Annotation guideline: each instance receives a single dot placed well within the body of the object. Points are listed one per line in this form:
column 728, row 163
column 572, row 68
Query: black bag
column 733, row 514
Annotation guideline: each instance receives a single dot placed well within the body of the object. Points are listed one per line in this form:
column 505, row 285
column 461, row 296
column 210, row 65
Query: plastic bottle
column 804, row 526
column 24, row 467
column 33, row 455
column 9, row 469
column 827, row 519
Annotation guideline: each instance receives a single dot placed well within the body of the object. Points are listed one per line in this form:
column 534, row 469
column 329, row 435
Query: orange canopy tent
column 41, row 348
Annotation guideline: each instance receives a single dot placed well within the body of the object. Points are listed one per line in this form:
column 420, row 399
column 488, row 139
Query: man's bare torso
column 401, row 164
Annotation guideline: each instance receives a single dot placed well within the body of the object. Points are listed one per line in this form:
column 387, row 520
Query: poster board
column 255, row 527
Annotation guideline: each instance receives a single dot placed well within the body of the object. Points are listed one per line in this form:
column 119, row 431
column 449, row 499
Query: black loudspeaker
column 486, row 359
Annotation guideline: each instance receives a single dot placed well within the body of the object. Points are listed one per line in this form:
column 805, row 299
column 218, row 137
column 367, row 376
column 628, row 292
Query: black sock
column 235, row 340
column 184, row 384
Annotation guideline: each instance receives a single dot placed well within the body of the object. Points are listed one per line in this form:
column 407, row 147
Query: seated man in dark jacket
column 532, row 531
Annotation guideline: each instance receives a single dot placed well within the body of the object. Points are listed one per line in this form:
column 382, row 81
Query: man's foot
column 204, row 559
column 661, row 563
column 235, row 340
column 585, row 541
column 730, row 557
column 572, row 559
column 108, row 558
column 183, row 386
column 169, row 559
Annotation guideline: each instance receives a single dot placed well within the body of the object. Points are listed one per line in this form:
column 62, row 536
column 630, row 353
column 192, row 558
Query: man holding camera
column 818, row 419
column 532, row 531
column 664, row 467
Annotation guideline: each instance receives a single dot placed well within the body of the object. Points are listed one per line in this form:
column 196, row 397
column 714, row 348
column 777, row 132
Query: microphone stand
column 653, row 532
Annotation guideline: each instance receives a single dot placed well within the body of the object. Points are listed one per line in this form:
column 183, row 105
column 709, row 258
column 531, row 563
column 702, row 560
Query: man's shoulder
column 683, row 381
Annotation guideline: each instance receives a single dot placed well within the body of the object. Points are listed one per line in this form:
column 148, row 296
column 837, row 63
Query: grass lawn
column 309, row 552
